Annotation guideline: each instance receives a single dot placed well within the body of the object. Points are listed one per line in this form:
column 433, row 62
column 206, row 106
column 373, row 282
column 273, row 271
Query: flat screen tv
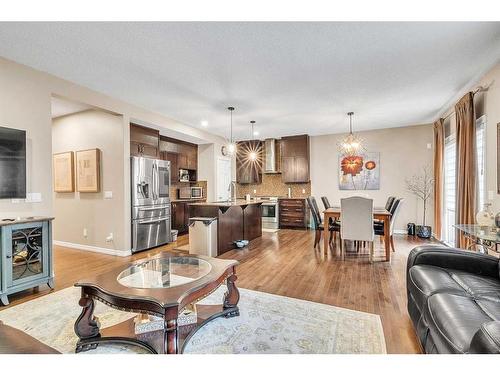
column 12, row 163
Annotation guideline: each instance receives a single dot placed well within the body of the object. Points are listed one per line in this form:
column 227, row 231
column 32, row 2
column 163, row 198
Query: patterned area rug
column 267, row 324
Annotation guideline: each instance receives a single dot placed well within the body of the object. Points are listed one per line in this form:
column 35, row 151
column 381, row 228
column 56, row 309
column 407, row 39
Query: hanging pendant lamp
column 252, row 155
column 231, row 147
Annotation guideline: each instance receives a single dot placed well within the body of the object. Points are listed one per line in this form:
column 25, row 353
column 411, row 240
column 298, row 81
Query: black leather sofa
column 454, row 300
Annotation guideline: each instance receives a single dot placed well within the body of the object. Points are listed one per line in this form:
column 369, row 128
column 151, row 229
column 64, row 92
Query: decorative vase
column 424, row 231
column 485, row 217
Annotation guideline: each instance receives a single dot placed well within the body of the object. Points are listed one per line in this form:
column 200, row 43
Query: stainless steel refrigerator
column 151, row 222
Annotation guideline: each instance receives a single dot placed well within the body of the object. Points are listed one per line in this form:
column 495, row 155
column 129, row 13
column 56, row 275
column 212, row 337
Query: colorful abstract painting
column 359, row 172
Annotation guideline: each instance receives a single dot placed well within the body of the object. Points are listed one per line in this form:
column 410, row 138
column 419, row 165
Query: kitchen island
column 236, row 220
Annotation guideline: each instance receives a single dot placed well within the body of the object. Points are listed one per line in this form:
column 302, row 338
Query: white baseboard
column 400, row 231
column 95, row 249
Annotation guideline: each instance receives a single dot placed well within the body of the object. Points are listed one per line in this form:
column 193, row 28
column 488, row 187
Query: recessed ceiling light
column 204, row 123
column 256, row 133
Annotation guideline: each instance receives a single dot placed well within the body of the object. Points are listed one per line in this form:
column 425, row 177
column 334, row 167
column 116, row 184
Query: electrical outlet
column 255, row 191
column 303, row 191
column 109, row 238
column 108, row 195
column 85, row 232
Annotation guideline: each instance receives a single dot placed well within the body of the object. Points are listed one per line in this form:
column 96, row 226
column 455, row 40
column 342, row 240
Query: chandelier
column 351, row 145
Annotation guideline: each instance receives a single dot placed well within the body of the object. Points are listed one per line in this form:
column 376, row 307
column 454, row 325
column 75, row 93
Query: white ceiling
column 291, row 78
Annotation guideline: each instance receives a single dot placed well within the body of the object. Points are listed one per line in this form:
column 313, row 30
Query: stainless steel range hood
column 270, row 162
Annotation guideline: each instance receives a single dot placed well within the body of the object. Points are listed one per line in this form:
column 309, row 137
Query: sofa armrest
column 486, row 339
column 446, row 257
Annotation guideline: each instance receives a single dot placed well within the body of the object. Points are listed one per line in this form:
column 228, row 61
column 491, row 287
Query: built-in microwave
column 194, row 192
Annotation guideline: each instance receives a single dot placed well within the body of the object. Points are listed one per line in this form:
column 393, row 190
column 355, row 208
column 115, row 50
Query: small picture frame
column 64, row 172
column 88, row 168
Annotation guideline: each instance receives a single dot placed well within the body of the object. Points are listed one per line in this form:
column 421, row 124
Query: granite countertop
column 22, row 220
column 188, row 200
column 237, row 202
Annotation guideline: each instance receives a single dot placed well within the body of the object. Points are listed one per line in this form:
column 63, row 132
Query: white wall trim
column 95, row 249
column 400, row 231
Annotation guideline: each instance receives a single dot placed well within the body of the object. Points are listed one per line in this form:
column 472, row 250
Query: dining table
column 379, row 213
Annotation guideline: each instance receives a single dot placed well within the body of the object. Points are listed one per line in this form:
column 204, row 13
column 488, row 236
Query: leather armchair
column 454, row 300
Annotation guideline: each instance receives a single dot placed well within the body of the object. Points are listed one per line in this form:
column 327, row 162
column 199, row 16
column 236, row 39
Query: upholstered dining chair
column 379, row 227
column 318, row 224
column 388, row 206
column 357, row 221
column 326, row 202
column 389, row 203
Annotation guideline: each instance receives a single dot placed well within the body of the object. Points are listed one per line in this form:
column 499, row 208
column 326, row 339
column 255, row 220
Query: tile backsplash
column 272, row 185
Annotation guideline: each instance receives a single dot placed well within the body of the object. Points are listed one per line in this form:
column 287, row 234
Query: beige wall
column 403, row 152
column 76, row 211
column 25, row 103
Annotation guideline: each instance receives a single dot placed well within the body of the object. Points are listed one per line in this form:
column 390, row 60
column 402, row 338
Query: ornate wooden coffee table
column 161, row 286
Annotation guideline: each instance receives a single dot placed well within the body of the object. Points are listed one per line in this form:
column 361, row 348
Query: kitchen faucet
column 232, row 190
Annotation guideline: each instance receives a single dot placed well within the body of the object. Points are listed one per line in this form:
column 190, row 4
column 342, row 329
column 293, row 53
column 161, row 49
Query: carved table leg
column 86, row 326
column 231, row 297
column 4, row 299
column 171, row 337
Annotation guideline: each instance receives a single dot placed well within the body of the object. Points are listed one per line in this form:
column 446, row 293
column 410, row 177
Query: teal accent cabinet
column 26, row 259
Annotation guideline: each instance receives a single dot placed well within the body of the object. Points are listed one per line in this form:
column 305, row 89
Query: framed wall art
column 64, row 176
column 359, row 172
column 88, row 171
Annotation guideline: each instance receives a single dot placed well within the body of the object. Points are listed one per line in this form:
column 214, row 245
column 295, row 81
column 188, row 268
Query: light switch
column 34, row 197
column 108, row 194
column 429, row 146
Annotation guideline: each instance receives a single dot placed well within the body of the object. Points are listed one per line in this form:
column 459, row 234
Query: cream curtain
column 438, row 176
column 466, row 164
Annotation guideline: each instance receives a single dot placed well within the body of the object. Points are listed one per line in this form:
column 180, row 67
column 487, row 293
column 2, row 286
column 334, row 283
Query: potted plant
column 421, row 185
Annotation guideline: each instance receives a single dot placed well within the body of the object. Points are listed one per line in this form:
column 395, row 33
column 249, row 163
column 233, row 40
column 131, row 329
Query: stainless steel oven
column 270, row 214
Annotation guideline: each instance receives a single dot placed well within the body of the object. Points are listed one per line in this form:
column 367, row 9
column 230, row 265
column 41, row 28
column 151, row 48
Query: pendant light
column 231, row 147
column 252, row 155
column 352, row 144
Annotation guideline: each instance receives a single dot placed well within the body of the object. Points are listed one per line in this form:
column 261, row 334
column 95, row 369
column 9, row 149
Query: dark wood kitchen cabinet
column 180, row 216
column 295, row 159
column 249, row 171
column 182, row 155
column 144, row 141
column 293, row 213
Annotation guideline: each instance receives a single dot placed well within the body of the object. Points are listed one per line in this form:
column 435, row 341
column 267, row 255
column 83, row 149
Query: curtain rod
column 478, row 89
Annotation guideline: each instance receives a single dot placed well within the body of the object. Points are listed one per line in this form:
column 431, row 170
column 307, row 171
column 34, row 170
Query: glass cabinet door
column 28, row 258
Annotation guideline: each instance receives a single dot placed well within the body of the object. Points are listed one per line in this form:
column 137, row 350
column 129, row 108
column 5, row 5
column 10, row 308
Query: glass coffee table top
column 166, row 272
column 488, row 233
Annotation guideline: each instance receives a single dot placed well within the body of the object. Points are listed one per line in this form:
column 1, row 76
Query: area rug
column 267, row 324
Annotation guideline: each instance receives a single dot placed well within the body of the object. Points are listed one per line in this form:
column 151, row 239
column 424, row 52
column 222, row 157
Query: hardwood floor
column 285, row 263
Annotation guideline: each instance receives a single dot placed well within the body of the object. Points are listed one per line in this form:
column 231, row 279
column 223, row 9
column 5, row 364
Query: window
column 481, row 161
column 449, row 188
column 449, row 191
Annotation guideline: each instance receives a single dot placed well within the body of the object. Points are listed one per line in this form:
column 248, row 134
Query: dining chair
column 357, row 221
column 318, row 224
column 326, row 203
column 380, row 228
column 389, row 203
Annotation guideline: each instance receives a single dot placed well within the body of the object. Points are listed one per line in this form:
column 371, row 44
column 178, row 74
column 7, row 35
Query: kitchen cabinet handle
column 8, row 256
